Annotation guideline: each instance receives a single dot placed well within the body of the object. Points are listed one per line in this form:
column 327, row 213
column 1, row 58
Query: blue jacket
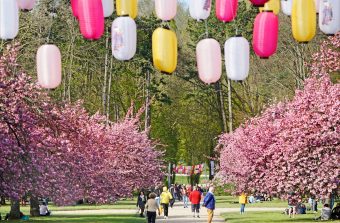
column 209, row 201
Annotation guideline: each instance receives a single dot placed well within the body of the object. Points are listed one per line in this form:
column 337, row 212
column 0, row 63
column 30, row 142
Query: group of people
column 160, row 202
column 43, row 211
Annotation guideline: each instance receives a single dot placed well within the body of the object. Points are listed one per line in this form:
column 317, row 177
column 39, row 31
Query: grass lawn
column 232, row 202
column 268, row 217
column 92, row 219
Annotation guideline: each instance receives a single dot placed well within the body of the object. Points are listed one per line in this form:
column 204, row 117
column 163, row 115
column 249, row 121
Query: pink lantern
column 265, row 34
column 74, row 5
column 209, row 60
column 91, row 18
column 26, row 4
column 226, row 10
column 258, row 3
column 49, row 66
column 166, row 9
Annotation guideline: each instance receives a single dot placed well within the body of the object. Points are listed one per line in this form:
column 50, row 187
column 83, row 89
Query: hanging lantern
column 329, row 16
column 166, row 9
column 26, row 4
column 286, row 6
column 124, row 38
column 236, row 52
column 258, row 3
column 9, row 19
column 49, row 66
column 108, row 7
column 74, row 6
column 273, row 5
column 164, row 50
column 127, row 7
column 303, row 20
column 317, row 5
column 199, row 9
column 226, row 10
column 265, row 34
column 91, row 18
column 209, row 60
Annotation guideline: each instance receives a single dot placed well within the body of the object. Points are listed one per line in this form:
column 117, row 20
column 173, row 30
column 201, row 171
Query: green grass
column 232, row 202
column 89, row 219
column 268, row 217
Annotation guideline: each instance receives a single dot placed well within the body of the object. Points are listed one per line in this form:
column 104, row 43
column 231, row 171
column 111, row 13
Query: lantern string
column 206, row 28
column 50, row 29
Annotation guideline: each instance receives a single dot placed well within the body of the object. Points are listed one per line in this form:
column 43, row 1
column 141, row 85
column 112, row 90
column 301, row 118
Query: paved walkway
column 177, row 214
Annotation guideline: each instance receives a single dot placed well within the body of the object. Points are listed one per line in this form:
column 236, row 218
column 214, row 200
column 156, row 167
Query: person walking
column 151, row 208
column 243, row 201
column 141, row 201
column 166, row 197
column 209, row 202
column 195, row 199
column 185, row 197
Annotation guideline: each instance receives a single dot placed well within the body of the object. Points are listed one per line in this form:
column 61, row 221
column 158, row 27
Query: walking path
column 177, row 214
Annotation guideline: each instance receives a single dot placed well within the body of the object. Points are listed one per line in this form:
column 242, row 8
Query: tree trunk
column 219, row 91
column 2, row 201
column 104, row 89
column 34, row 205
column 109, row 94
column 147, row 101
column 15, row 210
column 230, row 108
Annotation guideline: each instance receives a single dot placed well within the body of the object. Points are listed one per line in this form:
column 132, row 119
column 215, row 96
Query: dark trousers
column 166, row 209
column 151, row 217
column 142, row 211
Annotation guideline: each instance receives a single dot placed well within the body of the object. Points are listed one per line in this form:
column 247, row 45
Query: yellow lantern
column 164, row 50
column 127, row 7
column 271, row 5
column 303, row 20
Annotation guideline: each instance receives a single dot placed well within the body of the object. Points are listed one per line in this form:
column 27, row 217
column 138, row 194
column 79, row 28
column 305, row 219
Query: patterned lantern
column 26, row 4
column 329, row 16
column 273, row 5
column 265, row 34
column 166, row 9
column 209, row 60
column 199, row 9
column 258, row 3
column 164, row 50
column 49, row 66
column 91, row 18
column 303, row 20
column 226, row 10
column 9, row 19
column 108, row 7
column 236, row 52
column 286, row 6
column 127, row 7
column 124, row 38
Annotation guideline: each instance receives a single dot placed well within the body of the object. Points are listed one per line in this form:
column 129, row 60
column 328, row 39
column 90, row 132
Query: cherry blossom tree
column 293, row 146
column 61, row 151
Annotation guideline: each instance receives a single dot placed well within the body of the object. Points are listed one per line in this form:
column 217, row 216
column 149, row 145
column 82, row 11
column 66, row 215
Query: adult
column 185, row 197
column 336, row 212
column 209, row 202
column 195, row 199
column 166, row 197
column 325, row 213
column 251, row 199
column 292, row 207
column 243, row 200
column 141, row 201
column 151, row 208
column 43, row 210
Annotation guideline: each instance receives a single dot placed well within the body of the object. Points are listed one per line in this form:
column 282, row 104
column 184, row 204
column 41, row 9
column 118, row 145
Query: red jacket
column 195, row 197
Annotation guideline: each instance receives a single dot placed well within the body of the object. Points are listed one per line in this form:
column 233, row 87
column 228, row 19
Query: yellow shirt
column 166, row 197
column 242, row 199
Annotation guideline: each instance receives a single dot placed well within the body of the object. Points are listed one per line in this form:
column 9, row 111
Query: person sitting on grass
column 325, row 213
column 336, row 212
column 43, row 210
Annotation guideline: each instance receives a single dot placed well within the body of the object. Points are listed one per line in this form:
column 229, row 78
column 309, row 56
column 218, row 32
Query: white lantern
column 329, row 16
column 209, row 60
column 199, row 9
column 166, row 9
column 9, row 19
column 49, row 66
column 108, row 7
column 286, row 6
column 236, row 52
column 124, row 38
column 26, row 4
